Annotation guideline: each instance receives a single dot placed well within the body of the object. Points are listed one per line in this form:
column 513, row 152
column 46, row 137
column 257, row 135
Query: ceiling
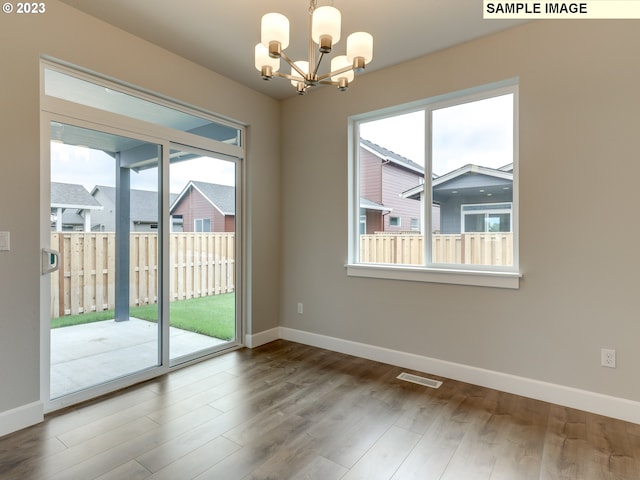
column 221, row 34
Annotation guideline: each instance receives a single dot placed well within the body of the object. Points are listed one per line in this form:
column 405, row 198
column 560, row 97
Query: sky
column 479, row 133
column 88, row 167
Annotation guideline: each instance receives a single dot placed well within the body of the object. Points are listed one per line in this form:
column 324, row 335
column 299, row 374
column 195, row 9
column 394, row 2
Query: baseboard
column 252, row 341
column 21, row 417
column 593, row 402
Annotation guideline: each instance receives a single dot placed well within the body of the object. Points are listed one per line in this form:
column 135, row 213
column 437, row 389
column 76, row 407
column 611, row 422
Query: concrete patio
column 86, row 355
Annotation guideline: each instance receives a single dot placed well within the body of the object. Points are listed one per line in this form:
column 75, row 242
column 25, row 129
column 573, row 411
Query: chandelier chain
column 313, row 4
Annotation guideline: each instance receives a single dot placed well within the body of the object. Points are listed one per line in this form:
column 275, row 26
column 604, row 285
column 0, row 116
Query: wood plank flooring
column 290, row 411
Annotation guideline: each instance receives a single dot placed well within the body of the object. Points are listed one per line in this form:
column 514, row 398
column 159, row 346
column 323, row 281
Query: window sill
column 435, row 275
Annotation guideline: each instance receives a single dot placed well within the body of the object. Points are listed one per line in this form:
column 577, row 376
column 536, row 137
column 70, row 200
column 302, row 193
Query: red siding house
column 384, row 175
column 205, row 207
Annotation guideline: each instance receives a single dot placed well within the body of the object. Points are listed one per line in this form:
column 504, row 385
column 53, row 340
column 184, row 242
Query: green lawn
column 213, row 316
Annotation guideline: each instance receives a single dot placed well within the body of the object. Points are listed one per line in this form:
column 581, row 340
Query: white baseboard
column 252, row 341
column 598, row 403
column 21, row 417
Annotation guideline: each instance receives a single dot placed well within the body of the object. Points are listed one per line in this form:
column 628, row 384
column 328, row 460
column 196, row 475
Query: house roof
column 371, row 205
column 222, row 197
column 71, row 217
column 144, row 203
column 459, row 179
column 389, row 156
column 71, row 195
column 473, row 169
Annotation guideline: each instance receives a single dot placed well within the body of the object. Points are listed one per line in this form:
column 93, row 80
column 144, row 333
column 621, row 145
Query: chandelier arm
column 293, row 65
column 334, row 73
column 288, row 77
column 315, row 71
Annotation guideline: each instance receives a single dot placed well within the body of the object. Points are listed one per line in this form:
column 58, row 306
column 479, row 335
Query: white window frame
column 395, row 218
column 477, row 275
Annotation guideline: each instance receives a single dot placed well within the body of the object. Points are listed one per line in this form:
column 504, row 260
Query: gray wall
column 82, row 40
column 105, row 218
column 579, row 105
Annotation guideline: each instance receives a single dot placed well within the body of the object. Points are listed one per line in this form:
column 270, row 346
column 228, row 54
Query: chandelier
column 324, row 31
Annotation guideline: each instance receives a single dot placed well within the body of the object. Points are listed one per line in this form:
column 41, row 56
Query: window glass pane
column 390, row 164
column 472, row 181
column 500, row 222
column 66, row 87
column 202, row 251
column 104, row 207
column 474, row 222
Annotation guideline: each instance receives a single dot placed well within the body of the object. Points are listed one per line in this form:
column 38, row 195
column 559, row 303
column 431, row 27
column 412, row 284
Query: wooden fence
column 464, row 249
column 202, row 264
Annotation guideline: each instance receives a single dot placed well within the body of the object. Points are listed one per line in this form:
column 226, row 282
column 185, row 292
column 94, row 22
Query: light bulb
column 264, row 60
column 360, row 44
column 325, row 27
column 339, row 62
column 275, row 28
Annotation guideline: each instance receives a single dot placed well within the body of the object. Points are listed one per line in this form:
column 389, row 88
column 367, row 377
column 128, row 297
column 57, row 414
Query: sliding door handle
column 50, row 260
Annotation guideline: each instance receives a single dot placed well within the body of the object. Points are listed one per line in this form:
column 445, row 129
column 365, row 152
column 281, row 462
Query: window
column 449, row 164
column 139, row 106
column 202, row 225
column 363, row 223
column 486, row 218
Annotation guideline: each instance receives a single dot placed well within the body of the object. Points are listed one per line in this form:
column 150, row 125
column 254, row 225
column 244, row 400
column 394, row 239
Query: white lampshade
column 263, row 59
column 360, row 44
column 339, row 62
column 275, row 27
column 326, row 21
column 302, row 65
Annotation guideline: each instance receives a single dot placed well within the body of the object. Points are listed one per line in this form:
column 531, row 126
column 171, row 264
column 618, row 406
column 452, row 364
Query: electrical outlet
column 300, row 309
column 608, row 358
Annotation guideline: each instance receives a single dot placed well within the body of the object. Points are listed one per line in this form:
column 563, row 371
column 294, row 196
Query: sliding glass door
column 104, row 223
column 202, row 253
column 141, row 213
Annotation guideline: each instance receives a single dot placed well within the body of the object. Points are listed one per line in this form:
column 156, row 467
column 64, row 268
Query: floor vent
column 427, row 382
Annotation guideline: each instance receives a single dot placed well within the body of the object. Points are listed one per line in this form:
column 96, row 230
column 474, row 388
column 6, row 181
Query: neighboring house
column 144, row 210
column 72, row 207
column 206, row 207
column 384, row 175
column 472, row 198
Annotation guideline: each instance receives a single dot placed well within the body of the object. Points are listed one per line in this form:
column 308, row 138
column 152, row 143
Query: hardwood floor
column 289, row 411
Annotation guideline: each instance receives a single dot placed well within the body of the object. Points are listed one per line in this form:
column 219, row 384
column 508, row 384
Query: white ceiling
column 221, row 34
